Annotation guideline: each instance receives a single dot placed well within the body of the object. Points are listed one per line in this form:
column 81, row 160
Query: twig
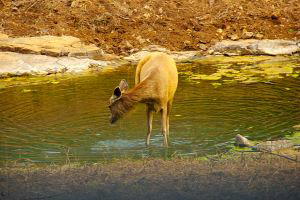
column 283, row 156
column 31, row 5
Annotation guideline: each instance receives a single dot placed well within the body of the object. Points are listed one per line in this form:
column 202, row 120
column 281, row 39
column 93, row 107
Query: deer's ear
column 123, row 85
column 117, row 92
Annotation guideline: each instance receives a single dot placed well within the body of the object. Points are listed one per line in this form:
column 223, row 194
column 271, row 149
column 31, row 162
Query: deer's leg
column 164, row 125
column 169, row 107
column 149, row 123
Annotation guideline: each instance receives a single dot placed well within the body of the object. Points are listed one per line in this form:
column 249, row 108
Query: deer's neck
column 142, row 93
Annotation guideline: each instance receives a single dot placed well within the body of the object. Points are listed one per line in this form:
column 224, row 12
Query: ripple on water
column 52, row 122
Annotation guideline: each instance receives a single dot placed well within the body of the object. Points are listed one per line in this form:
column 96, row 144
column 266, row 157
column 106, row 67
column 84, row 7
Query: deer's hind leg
column 164, row 125
column 169, row 108
column 149, row 111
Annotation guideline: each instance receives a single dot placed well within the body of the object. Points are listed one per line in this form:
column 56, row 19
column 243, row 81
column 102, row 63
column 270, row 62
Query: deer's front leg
column 149, row 123
column 164, row 125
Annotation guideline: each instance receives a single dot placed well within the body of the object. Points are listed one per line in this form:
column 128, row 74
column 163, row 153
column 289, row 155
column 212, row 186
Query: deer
column 156, row 80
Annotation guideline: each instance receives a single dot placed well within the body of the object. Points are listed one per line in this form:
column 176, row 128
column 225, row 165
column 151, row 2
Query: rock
column 19, row 64
column 14, row 9
column 247, row 35
column 297, row 127
column 259, row 36
column 140, row 39
column 152, row 48
column 3, row 36
column 220, row 30
column 242, row 141
column 255, row 47
column 264, row 146
column 234, row 37
column 178, row 56
column 210, row 51
column 203, row 47
column 48, row 45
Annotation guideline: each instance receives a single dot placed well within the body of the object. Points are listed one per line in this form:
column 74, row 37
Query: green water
column 69, row 120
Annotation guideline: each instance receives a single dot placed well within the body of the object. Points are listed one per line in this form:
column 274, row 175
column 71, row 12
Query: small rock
column 3, row 36
column 242, row 141
column 234, row 37
column 210, row 52
column 297, row 127
column 160, row 10
column 187, row 42
column 126, row 45
column 247, row 35
column 203, row 47
column 259, row 36
column 220, row 30
column 14, row 9
column 152, row 48
column 140, row 39
column 147, row 15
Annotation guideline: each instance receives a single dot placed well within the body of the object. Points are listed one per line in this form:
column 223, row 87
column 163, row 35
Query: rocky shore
column 46, row 55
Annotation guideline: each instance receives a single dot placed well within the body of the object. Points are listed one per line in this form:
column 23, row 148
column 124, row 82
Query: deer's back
column 159, row 72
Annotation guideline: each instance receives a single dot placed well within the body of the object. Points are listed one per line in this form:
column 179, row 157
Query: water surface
column 69, row 120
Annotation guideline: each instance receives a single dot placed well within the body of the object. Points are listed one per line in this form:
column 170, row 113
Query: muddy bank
column 236, row 176
column 122, row 27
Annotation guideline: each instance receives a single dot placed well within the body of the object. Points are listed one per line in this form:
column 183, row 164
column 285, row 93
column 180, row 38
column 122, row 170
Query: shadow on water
column 52, row 122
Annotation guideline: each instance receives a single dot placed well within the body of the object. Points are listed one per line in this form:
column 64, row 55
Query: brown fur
column 156, row 81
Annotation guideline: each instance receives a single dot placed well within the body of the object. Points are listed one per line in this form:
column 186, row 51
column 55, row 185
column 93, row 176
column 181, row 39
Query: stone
column 255, row 47
column 242, row 141
column 203, row 47
column 3, row 36
column 234, row 37
column 219, row 30
column 19, row 64
column 247, row 35
column 140, row 39
column 48, row 45
column 178, row 56
column 259, row 36
column 297, row 127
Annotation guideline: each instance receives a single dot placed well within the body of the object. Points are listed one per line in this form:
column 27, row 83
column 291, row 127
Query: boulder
column 48, row 45
column 242, row 141
column 255, row 47
column 16, row 64
column 179, row 56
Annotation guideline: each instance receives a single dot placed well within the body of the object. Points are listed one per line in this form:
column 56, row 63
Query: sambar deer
column 156, row 80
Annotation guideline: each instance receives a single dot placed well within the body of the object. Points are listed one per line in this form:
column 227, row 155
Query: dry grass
column 234, row 176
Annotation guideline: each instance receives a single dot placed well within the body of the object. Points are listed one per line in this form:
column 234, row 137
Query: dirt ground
column 241, row 176
column 124, row 26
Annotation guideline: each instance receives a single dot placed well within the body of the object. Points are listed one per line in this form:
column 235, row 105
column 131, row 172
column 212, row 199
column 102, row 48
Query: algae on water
column 248, row 69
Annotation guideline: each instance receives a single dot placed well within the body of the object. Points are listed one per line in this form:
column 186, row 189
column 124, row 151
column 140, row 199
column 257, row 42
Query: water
column 70, row 120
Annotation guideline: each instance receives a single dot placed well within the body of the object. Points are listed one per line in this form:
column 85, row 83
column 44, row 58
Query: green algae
column 243, row 69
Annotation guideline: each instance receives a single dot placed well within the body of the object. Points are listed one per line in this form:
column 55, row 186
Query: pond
column 68, row 120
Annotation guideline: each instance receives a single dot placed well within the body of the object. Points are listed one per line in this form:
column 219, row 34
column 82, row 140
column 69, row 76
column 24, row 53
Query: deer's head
column 117, row 102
